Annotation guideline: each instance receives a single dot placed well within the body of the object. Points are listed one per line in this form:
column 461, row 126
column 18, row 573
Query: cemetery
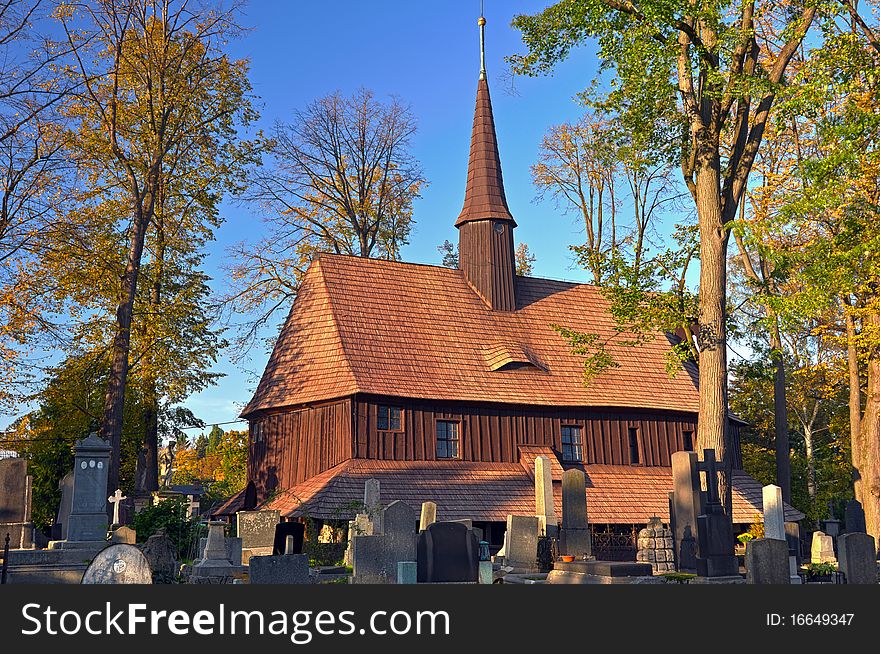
column 421, row 424
column 391, row 542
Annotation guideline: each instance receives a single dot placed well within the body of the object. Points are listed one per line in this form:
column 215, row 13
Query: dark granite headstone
column 447, row 552
column 285, row 529
column 715, row 557
column 858, row 558
column 855, row 518
column 685, row 506
column 281, row 569
column 767, row 561
column 15, row 504
column 250, row 497
column 88, row 514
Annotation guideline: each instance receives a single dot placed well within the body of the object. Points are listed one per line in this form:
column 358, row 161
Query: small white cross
column 115, row 500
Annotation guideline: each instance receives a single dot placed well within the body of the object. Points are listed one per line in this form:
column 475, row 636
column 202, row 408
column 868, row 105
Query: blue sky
column 427, row 54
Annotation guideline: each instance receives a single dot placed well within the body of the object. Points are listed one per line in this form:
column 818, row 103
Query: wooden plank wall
column 492, row 434
column 288, row 447
column 487, row 259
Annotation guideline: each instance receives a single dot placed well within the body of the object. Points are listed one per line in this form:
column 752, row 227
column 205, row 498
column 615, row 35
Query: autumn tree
column 712, row 66
column 613, row 180
column 153, row 80
column 339, row 177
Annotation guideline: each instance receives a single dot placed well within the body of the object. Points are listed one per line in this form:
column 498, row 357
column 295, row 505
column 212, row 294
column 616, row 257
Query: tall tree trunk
column 114, row 399
column 811, row 460
column 780, row 413
column 855, row 405
column 869, row 471
column 712, row 426
column 148, row 472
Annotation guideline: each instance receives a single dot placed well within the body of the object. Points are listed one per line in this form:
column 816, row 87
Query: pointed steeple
column 484, row 195
column 485, row 224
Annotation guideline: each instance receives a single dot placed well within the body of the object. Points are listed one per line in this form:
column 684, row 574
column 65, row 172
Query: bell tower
column 485, row 224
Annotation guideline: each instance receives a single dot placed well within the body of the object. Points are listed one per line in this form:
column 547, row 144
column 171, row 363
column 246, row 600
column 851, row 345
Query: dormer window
column 388, row 418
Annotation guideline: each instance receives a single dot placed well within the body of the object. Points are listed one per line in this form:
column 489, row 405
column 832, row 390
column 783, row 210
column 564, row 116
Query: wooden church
column 445, row 385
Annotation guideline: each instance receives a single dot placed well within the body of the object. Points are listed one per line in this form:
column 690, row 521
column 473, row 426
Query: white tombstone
column 822, row 549
column 545, row 509
column 373, row 504
column 774, row 513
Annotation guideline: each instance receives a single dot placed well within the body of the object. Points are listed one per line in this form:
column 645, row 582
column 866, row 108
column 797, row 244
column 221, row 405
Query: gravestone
column 767, row 561
column 62, row 518
column 124, row 535
column 249, row 503
column 574, row 537
column 774, row 528
column 257, row 531
column 655, row 546
column 545, row 509
column 521, row 549
column 214, row 567
column 373, row 504
column 15, row 504
column 161, row 556
column 855, row 518
column 360, row 526
column 375, row 557
column 233, row 549
column 88, row 512
column 822, row 548
column 448, row 552
column 285, row 530
column 428, row 516
column 858, row 558
column 279, row 569
column 119, row 564
column 715, row 557
column 685, row 507
column 774, row 512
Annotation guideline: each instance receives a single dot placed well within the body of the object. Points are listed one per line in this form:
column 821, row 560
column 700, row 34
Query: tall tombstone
column 521, row 544
column 715, row 555
column 774, row 513
column 215, row 566
column 574, row 537
column 373, row 504
column 375, row 557
column 428, row 515
column 88, row 509
column 545, row 509
column 15, row 504
column 685, row 507
column 854, row 517
column 775, row 529
column 62, row 518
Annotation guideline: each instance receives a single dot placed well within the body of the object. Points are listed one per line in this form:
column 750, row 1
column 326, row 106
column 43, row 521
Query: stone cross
column 544, row 507
column 116, row 500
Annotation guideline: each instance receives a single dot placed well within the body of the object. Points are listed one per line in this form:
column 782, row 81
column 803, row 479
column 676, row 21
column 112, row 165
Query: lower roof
column 490, row 491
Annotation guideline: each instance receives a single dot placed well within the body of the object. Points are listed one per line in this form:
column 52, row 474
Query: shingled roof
column 491, row 491
column 407, row 330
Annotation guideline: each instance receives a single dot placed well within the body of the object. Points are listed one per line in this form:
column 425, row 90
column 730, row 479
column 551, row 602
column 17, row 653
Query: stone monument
column 118, row 564
column 574, row 537
column 545, row 508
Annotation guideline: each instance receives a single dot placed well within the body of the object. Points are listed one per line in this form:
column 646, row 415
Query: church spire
column 486, row 252
column 484, row 195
